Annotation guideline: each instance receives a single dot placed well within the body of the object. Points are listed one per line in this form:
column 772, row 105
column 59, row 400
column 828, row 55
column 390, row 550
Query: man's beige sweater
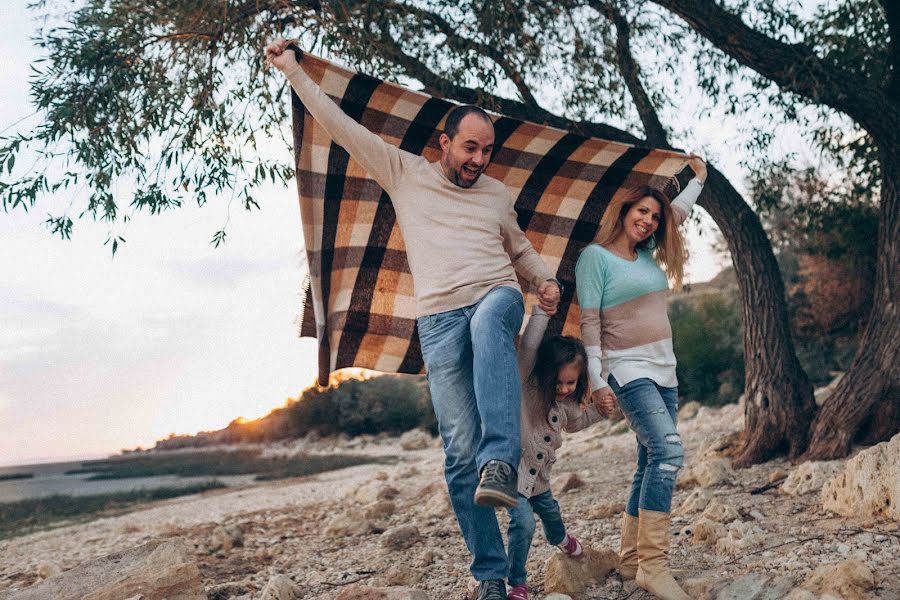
column 460, row 242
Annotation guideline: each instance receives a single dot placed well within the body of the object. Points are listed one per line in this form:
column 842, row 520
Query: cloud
column 226, row 271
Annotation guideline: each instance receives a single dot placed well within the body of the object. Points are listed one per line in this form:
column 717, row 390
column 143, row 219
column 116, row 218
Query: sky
column 98, row 353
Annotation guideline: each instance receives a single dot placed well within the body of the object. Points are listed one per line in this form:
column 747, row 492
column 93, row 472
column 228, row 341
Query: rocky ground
column 339, row 535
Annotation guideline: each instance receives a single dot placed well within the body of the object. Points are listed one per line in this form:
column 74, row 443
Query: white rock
column 696, row 501
column 281, row 587
column 740, row 537
column 708, row 472
column 722, row 513
column 869, row 485
column 809, row 477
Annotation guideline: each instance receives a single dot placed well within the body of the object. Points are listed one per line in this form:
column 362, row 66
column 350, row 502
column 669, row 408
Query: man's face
column 466, row 156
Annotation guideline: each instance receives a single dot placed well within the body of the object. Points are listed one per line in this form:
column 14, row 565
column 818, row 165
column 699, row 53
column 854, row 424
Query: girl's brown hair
column 553, row 354
column 666, row 241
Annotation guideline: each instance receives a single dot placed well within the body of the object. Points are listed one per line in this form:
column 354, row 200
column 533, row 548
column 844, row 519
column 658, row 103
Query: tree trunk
column 856, row 409
column 779, row 396
column 774, row 378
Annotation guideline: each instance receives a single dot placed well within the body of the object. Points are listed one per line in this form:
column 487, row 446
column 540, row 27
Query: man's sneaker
column 492, row 589
column 517, row 592
column 498, row 485
column 570, row 546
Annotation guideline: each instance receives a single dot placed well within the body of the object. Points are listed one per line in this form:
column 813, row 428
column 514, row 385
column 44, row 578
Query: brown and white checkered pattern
column 360, row 302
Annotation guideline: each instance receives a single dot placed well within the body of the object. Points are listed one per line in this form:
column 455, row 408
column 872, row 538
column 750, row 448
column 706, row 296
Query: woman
column 625, row 327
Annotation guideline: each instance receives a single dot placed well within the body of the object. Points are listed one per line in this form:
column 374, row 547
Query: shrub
column 709, row 348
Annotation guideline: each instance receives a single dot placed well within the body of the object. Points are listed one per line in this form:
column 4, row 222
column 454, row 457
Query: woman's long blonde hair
column 667, row 243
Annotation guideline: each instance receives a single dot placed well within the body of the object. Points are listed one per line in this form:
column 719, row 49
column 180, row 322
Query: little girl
column 554, row 381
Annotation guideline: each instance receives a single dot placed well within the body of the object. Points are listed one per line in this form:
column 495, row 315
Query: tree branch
column 437, row 85
column 892, row 11
column 631, row 73
column 462, row 43
column 793, row 67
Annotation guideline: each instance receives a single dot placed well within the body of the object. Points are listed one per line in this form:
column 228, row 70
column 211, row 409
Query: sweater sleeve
column 383, row 162
column 578, row 418
column 684, row 202
column 590, row 274
column 531, row 340
column 525, row 259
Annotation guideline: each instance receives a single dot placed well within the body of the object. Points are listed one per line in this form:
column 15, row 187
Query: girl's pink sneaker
column 517, row 592
column 571, row 546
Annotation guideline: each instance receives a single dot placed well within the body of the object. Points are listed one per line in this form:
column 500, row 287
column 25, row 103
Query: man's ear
column 444, row 141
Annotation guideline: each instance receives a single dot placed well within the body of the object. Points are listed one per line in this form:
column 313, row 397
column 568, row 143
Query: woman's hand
column 278, row 57
column 698, row 167
column 605, row 400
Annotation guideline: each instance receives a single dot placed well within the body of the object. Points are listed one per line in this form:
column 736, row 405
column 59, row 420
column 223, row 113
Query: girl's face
column 642, row 219
column 567, row 380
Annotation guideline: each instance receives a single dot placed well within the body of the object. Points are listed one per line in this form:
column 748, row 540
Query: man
column 464, row 246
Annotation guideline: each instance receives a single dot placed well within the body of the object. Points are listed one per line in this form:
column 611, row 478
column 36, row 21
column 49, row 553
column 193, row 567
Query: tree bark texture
column 864, row 405
column 779, row 403
column 872, row 377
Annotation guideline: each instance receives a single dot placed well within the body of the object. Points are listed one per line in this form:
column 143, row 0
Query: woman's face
column 642, row 219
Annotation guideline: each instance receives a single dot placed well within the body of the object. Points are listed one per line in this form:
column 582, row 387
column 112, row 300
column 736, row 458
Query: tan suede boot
column 653, row 572
column 628, row 556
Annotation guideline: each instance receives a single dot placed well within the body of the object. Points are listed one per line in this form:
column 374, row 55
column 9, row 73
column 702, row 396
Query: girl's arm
column 578, row 418
column 530, row 340
column 684, row 202
column 590, row 272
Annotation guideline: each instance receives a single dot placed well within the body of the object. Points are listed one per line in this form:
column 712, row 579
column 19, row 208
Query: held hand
column 605, row 400
column 698, row 166
column 548, row 297
column 280, row 57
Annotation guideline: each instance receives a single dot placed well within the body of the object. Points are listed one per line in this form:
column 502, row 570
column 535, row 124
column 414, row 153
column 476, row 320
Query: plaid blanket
column 359, row 300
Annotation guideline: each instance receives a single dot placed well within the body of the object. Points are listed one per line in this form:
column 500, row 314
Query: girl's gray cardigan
column 542, row 429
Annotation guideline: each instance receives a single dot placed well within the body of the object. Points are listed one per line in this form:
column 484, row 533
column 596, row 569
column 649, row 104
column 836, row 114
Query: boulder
column 154, row 571
column 704, row 531
column 696, row 501
column 363, row 592
column 416, row 439
column 281, row 587
column 752, row 586
column 226, row 537
column 348, row 523
column 229, row 590
column 849, row 580
column 708, row 472
column 571, row 576
column 809, row 477
column 739, row 537
column 400, row 538
column 721, row 513
column 869, row 485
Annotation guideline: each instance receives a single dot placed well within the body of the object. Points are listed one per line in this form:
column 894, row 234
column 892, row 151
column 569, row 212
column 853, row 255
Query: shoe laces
column 493, row 589
column 496, row 471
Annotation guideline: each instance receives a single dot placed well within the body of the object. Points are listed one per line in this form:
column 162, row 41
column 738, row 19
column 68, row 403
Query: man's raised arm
column 381, row 160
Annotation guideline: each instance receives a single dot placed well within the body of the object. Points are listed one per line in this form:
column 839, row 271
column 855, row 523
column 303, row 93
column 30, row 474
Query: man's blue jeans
column 652, row 411
column 522, row 526
column 470, row 357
